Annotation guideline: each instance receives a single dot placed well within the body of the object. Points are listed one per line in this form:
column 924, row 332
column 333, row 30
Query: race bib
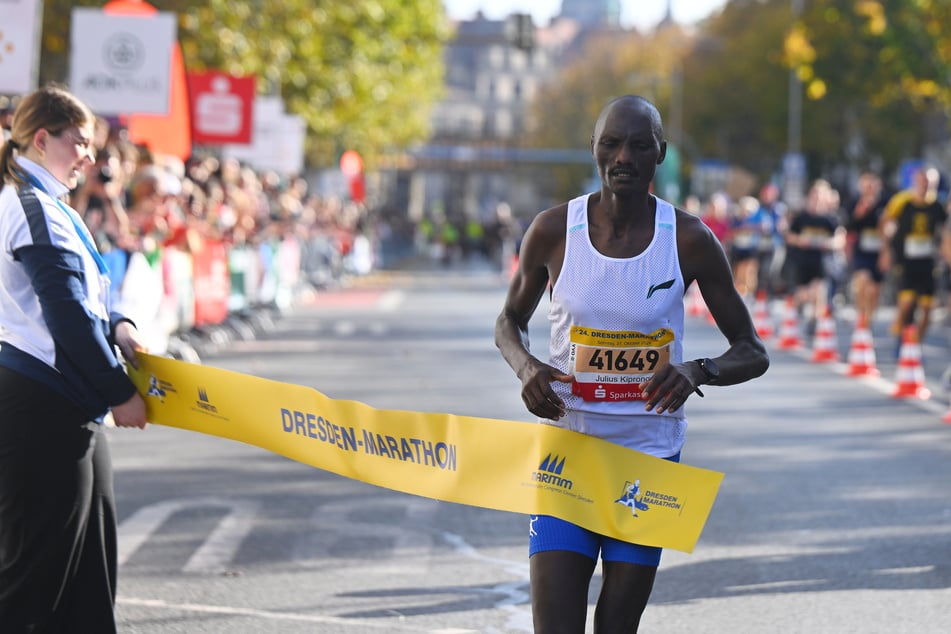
column 870, row 240
column 745, row 240
column 919, row 247
column 816, row 240
column 613, row 365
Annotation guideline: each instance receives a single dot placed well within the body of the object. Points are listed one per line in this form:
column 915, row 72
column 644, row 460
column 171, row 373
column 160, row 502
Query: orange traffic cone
column 761, row 318
column 910, row 378
column 825, row 344
column 862, row 350
column 789, row 331
column 696, row 307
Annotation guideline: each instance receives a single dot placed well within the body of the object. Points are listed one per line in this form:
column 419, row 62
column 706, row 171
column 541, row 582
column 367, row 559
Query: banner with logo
column 221, row 107
column 277, row 139
column 212, row 283
column 120, row 64
column 21, row 24
column 497, row 464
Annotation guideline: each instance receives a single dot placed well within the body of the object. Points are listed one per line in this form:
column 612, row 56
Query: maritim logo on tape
column 551, row 475
column 550, row 472
column 204, row 404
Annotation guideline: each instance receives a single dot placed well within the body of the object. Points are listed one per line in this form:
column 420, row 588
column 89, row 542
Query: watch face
column 710, row 368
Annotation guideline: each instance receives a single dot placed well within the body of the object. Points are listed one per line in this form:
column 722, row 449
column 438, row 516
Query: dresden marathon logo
column 637, row 500
column 159, row 388
column 156, row 389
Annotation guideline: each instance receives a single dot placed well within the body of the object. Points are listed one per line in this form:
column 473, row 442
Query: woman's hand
column 127, row 338
column 131, row 413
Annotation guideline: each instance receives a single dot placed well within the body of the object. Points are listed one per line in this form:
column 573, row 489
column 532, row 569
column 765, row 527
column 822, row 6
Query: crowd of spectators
column 201, row 247
column 209, row 241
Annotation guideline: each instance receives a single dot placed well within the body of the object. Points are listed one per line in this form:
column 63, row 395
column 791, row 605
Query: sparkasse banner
column 120, row 64
column 221, row 107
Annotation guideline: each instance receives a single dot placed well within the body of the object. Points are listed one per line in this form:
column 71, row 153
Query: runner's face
column 626, row 150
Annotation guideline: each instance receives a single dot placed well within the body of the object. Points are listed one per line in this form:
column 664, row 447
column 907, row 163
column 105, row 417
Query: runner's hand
column 537, row 394
column 670, row 387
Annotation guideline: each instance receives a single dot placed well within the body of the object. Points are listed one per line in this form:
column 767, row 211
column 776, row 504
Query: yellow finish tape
column 504, row 465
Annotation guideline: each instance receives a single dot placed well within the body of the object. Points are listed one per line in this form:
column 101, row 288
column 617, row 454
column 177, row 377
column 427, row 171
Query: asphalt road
column 834, row 515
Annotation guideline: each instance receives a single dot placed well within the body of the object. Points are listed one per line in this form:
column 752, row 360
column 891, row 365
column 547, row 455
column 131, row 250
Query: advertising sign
column 277, row 141
column 120, row 64
column 221, row 107
column 20, row 26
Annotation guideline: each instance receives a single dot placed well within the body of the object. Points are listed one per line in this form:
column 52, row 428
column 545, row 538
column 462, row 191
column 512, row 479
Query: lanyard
column 84, row 234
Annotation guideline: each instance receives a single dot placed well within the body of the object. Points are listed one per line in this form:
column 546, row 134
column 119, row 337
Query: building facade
column 476, row 157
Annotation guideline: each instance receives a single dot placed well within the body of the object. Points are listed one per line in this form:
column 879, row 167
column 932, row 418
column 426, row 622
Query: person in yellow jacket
column 911, row 227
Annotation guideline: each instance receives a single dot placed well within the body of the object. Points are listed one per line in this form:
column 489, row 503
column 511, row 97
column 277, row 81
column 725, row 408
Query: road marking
column 342, row 519
column 909, row 570
column 329, row 519
column 362, row 624
column 878, row 383
column 519, row 619
column 345, row 328
column 391, row 300
column 798, row 584
column 219, row 549
column 328, row 522
column 214, row 554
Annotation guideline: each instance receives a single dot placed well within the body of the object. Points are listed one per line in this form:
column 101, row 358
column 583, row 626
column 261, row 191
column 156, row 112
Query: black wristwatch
column 710, row 369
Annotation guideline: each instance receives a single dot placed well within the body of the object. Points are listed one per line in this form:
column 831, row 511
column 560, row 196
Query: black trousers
column 57, row 515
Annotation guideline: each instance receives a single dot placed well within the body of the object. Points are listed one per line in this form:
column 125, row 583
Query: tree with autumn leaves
column 875, row 78
column 875, row 75
column 362, row 74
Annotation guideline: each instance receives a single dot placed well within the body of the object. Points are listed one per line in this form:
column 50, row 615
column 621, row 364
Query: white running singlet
column 614, row 322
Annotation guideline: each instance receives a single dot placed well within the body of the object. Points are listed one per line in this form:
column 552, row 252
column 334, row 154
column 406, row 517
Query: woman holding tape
column 59, row 376
column 617, row 263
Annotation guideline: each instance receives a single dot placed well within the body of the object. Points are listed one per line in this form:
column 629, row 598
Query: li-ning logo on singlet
column 659, row 287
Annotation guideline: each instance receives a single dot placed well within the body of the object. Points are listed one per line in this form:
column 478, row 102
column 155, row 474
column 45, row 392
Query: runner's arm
column 528, row 285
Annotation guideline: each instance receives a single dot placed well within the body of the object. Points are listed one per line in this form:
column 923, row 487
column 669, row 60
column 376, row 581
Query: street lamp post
column 794, row 139
column 794, row 166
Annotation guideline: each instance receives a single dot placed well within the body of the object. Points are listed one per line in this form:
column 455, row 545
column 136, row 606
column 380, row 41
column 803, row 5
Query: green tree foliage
column 906, row 43
column 874, row 75
column 876, row 78
column 736, row 87
column 363, row 74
